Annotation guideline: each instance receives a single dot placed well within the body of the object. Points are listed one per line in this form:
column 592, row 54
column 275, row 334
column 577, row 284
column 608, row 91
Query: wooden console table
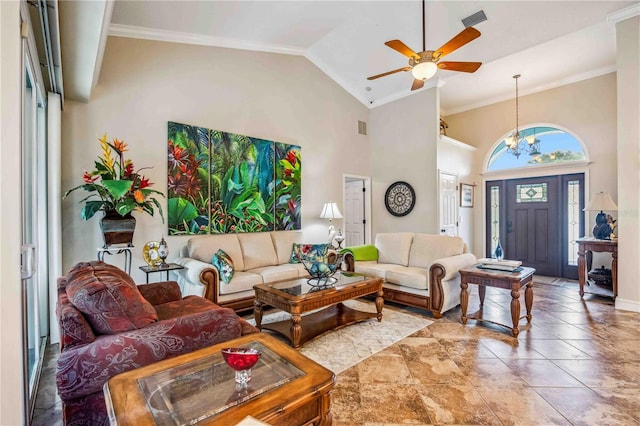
column 586, row 247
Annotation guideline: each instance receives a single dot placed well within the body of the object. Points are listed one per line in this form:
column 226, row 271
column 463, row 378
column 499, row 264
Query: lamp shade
column 330, row 211
column 424, row 70
column 601, row 201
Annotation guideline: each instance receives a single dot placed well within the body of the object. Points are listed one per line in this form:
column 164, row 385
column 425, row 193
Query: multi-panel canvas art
column 221, row 182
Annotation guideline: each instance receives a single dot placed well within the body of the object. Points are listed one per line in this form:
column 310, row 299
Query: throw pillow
column 224, row 264
column 311, row 252
column 108, row 298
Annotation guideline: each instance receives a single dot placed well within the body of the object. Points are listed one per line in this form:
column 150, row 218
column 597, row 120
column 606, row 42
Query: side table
column 168, row 267
column 586, row 247
column 492, row 278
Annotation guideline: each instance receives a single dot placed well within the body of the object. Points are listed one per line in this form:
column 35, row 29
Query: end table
column 168, row 267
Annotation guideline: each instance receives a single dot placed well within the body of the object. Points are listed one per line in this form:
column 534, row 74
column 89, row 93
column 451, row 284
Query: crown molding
column 562, row 82
column 433, row 82
column 202, row 40
column 626, row 13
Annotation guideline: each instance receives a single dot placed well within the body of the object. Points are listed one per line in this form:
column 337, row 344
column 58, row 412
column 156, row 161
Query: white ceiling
column 549, row 42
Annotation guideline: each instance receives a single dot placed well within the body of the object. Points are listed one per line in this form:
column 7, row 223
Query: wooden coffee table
column 286, row 388
column 491, row 278
column 298, row 297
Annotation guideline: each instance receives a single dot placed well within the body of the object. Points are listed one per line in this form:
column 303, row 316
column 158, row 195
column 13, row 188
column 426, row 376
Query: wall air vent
column 362, row 127
column 474, row 19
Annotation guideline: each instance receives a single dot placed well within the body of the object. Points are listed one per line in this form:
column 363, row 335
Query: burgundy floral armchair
column 109, row 325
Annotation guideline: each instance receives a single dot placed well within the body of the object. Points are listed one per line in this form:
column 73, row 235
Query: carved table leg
column 528, row 299
column 464, row 300
column 582, row 274
column 614, row 272
column 296, row 330
column 515, row 310
column 257, row 313
column 379, row 304
column 482, row 290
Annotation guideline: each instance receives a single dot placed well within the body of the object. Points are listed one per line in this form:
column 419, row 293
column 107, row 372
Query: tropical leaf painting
column 221, row 182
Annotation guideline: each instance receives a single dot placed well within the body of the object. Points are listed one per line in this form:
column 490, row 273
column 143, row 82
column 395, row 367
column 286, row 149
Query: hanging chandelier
column 521, row 143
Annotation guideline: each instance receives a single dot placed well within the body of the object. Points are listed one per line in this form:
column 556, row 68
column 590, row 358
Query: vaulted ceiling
column 550, row 43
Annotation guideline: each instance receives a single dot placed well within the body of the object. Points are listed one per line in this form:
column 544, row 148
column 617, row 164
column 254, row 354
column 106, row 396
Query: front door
column 537, row 221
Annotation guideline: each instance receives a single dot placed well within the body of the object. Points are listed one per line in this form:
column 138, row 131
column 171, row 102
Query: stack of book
column 499, row 265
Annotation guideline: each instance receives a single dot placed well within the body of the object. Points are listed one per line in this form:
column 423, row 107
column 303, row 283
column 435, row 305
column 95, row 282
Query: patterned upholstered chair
column 109, row 325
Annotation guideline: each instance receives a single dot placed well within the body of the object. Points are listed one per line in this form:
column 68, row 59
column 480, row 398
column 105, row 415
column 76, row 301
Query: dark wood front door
column 535, row 222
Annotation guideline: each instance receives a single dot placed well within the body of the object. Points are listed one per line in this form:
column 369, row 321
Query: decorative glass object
column 163, row 252
column 339, row 239
column 241, row 360
column 321, row 271
column 499, row 253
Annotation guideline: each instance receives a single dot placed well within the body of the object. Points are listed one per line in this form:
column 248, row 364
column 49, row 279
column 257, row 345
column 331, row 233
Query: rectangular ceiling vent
column 474, row 19
column 362, row 127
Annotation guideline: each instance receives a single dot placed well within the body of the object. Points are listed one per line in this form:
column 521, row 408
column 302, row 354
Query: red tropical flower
column 291, row 157
column 88, row 178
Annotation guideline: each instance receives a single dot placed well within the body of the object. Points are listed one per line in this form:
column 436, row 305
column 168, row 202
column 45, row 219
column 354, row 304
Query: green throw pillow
column 224, row 264
column 311, row 252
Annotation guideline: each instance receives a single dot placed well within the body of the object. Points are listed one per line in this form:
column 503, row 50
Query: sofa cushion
column 408, row 276
column 203, row 247
column 373, row 268
column 427, row 248
column 257, row 250
column 108, row 298
column 283, row 243
column 187, row 306
column 278, row 272
column 224, row 264
column 311, row 252
column 242, row 281
column 394, row 247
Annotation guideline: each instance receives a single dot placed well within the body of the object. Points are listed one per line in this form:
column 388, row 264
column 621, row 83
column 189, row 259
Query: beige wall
column 628, row 64
column 586, row 108
column 144, row 84
column 403, row 137
column 11, row 343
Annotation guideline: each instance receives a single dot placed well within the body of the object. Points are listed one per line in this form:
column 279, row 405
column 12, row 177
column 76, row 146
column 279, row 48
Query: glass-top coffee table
column 298, row 297
column 200, row 388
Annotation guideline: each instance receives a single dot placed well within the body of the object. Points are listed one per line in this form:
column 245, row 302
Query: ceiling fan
column 424, row 65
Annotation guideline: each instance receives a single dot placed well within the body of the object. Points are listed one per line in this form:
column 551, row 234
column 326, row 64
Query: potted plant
column 117, row 189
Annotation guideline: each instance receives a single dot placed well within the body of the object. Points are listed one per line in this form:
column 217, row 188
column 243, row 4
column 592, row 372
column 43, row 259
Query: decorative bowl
column 241, row 360
column 321, row 271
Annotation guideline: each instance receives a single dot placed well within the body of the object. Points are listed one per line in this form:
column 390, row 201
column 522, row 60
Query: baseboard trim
column 627, row 305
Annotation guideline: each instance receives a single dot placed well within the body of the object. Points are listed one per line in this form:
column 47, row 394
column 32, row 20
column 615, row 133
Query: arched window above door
column 554, row 146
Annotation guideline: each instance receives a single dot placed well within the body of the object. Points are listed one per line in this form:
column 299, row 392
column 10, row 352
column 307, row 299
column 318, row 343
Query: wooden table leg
column 482, row 290
column 581, row 269
column 528, row 299
column 515, row 309
column 614, row 273
column 379, row 304
column 257, row 313
column 464, row 299
column 296, row 330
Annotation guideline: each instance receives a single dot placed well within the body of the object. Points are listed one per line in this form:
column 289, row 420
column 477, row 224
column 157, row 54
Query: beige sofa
column 257, row 257
column 419, row 270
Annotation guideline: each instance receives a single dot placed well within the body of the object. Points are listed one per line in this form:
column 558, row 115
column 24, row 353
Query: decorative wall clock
column 400, row 198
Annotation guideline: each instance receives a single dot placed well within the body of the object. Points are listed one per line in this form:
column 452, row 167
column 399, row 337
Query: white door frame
column 367, row 202
column 457, row 203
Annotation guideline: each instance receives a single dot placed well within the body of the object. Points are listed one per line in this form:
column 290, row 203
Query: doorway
column 448, row 195
column 537, row 221
column 357, row 208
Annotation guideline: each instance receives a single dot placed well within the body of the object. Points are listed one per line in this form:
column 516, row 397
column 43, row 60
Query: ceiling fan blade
column 463, row 37
column 373, row 77
column 399, row 46
column 459, row 66
column 417, row 84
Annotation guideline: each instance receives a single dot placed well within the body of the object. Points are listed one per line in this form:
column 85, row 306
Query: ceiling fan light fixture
column 424, row 70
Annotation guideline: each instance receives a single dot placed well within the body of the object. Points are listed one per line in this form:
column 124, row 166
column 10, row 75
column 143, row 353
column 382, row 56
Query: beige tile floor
column 578, row 363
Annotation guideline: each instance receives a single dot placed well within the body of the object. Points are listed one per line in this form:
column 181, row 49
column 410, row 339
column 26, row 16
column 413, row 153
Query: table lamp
column 331, row 211
column 600, row 202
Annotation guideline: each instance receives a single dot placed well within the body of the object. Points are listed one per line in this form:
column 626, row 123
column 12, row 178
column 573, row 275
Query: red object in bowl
column 241, row 358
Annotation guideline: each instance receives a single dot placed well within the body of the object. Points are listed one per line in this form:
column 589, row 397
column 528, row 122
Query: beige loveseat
column 419, row 270
column 257, row 257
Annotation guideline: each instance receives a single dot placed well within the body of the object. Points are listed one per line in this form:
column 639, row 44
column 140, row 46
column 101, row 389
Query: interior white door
column 354, row 223
column 448, row 189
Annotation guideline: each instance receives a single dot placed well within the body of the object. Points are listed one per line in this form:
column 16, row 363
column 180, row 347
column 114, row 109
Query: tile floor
column 578, row 363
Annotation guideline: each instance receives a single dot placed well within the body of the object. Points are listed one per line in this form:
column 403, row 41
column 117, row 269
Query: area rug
column 340, row 349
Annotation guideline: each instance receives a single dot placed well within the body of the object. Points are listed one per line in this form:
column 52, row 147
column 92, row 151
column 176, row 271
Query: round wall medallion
column 400, row 198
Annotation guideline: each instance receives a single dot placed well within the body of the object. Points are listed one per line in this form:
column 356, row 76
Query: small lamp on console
column 331, row 211
column 601, row 202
